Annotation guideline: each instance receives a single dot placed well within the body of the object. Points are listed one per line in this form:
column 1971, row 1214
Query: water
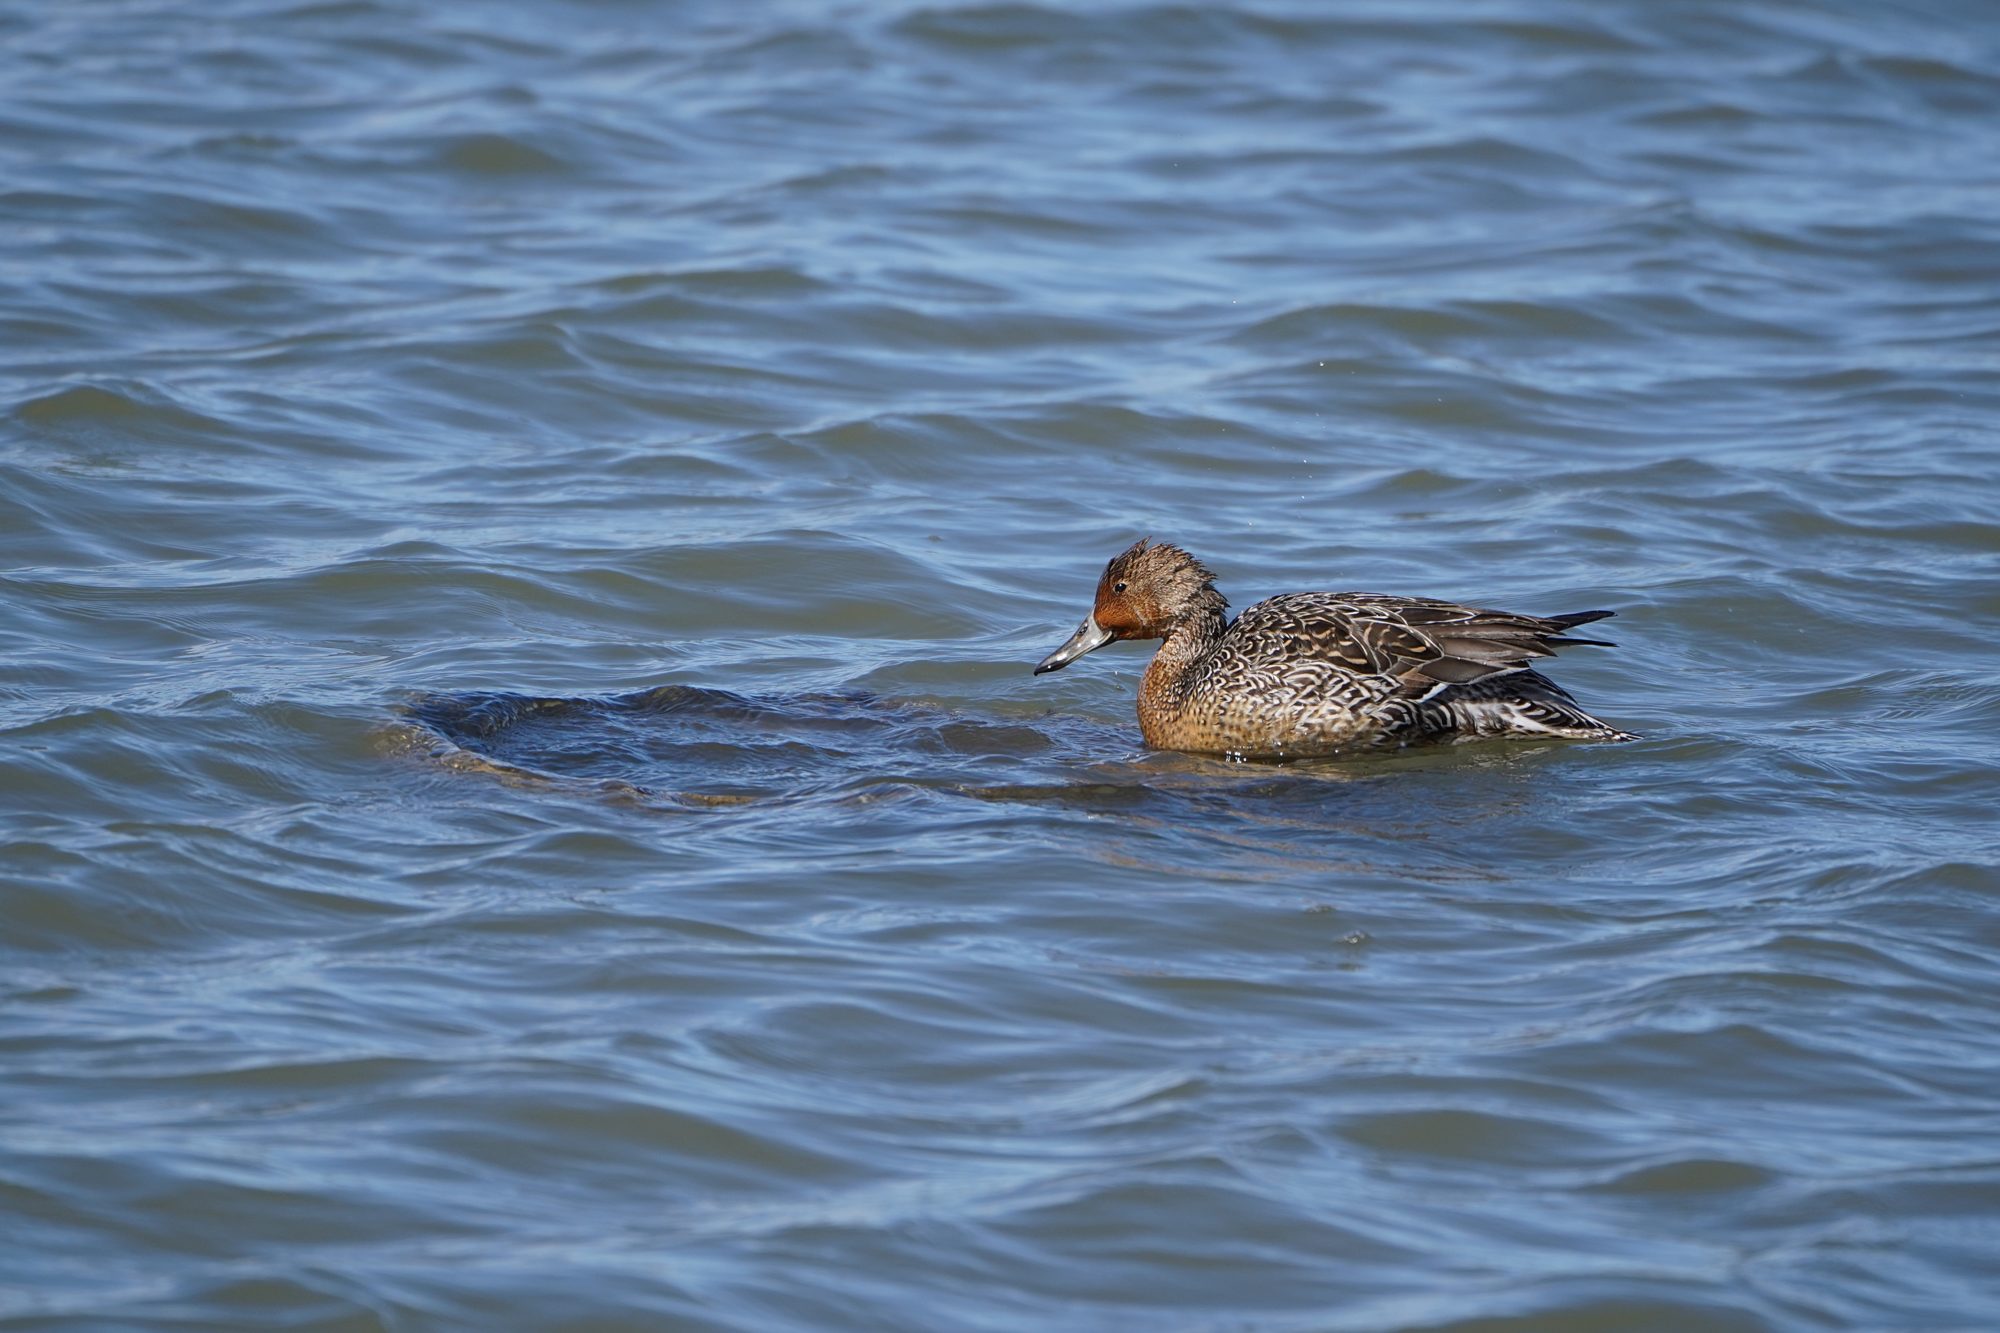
column 761, row 388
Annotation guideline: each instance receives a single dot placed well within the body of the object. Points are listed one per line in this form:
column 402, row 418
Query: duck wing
column 1424, row 642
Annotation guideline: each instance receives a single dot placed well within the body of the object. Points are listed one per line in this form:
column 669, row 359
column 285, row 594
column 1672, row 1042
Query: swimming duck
column 1316, row 673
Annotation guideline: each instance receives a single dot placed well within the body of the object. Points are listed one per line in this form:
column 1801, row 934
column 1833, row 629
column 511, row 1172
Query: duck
column 1324, row 673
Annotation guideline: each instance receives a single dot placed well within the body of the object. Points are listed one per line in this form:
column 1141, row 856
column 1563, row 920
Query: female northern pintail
column 1319, row 672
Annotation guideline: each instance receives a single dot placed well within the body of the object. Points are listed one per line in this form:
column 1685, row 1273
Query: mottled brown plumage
column 1321, row 672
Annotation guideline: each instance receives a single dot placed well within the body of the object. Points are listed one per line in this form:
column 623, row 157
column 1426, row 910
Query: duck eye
column 1118, row 587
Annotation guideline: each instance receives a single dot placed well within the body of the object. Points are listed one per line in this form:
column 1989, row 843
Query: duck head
column 1145, row 592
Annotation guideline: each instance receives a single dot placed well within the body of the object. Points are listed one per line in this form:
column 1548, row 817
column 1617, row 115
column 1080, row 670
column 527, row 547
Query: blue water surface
column 524, row 529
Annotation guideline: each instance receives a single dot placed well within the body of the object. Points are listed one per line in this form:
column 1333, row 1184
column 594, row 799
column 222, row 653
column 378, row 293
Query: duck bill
column 1088, row 635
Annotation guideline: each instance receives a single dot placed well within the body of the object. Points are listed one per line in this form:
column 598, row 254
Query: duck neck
column 1171, row 674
